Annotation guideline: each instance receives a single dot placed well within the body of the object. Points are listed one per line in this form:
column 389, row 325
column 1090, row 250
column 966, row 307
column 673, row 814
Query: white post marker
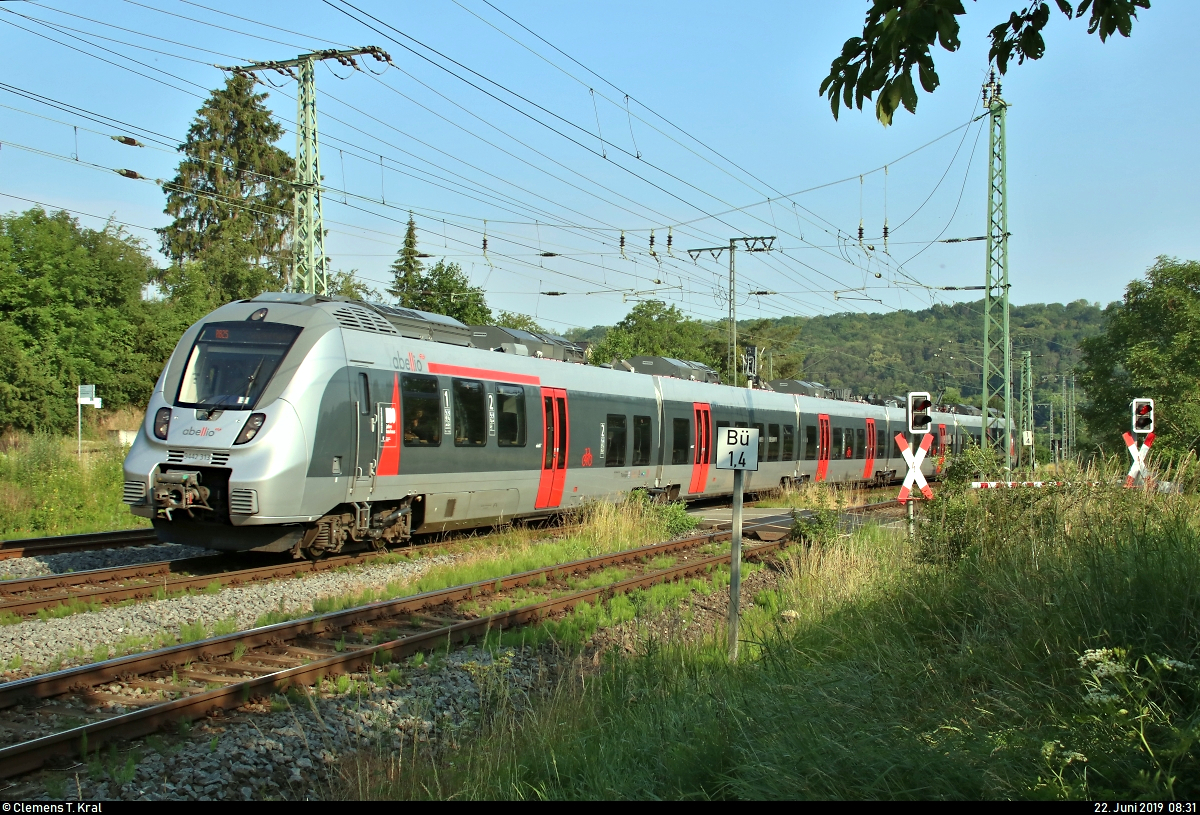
column 737, row 450
column 1138, row 470
column 86, row 396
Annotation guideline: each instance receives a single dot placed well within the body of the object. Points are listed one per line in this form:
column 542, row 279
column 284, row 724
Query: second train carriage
column 295, row 422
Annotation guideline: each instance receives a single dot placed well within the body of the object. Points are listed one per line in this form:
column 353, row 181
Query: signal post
column 917, row 407
column 737, row 450
column 1142, row 421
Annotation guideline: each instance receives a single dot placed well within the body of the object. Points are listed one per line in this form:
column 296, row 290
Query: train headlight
column 253, row 425
column 162, row 423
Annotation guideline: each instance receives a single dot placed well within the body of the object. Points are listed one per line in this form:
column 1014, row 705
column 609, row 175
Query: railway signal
column 1143, row 416
column 737, row 450
column 914, row 474
column 918, row 406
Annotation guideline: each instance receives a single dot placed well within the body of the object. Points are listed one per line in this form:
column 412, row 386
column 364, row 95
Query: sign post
column 917, row 407
column 87, row 396
column 737, row 450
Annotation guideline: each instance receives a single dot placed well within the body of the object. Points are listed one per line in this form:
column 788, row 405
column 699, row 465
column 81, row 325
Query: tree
column 899, row 35
column 445, row 289
column 407, row 267
column 509, row 319
column 1150, row 347
column 231, row 197
column 653, row 328
column 71, row 312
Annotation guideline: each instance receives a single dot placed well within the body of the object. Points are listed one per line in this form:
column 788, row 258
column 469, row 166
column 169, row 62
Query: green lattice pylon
column 997, row 350
column 308, row 243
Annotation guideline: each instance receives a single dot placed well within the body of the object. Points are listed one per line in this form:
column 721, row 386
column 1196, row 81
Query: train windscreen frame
column 231, row 363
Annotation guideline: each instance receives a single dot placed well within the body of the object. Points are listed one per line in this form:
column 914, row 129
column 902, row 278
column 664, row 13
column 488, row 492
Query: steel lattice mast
column 997, row 351
column 1027, row 407
column 310, row 269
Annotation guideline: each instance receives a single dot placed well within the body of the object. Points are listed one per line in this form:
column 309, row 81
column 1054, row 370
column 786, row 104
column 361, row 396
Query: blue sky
column 1101, row 146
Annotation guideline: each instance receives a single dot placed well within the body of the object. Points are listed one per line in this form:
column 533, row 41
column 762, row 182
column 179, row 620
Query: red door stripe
column 823, row 447
column 869, row 468
column 389, row 456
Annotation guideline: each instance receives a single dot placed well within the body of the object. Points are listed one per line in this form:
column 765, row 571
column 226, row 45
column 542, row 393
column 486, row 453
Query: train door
column 823, row 445
column 703, row 443
column 869, row 467
column 366, row 441
column 555, row 448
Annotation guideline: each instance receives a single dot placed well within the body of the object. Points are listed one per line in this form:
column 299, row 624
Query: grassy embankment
column 1027, row 645
column 45, row 489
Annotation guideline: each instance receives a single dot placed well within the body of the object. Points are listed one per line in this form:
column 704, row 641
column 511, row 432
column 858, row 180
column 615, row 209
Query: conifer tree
column 407, row 268
column 232, row 198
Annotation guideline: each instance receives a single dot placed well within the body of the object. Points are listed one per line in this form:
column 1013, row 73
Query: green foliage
column 656, row 329
column 1151, row 348
column 46, row 490
column 232, row 198
column 406, row 268
column 71, row 312
column 508, row 319
column 899, row 35
column 444, row 289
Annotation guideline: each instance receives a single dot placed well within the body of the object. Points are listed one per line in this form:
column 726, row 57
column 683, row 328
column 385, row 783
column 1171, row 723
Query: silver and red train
column 299, row 423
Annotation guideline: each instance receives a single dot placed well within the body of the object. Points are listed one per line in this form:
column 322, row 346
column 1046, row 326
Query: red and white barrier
column 1001, row 485
column 914, row 467
column 1138, row 470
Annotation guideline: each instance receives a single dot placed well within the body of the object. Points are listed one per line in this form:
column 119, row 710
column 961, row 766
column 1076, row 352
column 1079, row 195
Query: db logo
column 587, row 457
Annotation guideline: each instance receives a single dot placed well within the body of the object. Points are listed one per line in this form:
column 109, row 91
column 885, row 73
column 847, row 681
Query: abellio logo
column 202, row 431
column 408, row 363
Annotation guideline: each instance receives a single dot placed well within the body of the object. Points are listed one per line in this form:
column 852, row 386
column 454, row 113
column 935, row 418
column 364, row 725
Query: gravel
column 41, row 642
column 95, row 559
column 298, row 753
column 310, row 747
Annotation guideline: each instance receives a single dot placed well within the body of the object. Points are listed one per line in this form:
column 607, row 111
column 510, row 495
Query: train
column 314, row 425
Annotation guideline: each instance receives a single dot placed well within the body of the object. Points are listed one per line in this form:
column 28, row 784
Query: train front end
column 223, row 454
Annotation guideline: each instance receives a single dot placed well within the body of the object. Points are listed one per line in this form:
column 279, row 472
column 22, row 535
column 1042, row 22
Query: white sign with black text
column 737, row 448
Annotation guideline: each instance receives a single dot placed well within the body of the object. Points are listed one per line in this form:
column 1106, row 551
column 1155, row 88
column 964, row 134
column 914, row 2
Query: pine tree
column 232, row 196
column 407, row 268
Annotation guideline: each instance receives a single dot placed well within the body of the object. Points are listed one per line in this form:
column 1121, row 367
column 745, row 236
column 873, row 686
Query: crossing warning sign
column 914, row 467
column 1138, row 471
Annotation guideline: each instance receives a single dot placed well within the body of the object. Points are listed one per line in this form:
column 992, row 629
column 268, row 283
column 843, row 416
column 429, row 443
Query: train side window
column 810, row 442
column 681, row 441
column 740, row 424
column 772, row 442
column 836, row 453
column 789, row 443
column 364, row 394
column 470, row 413
column 510, row 416
column 762, row 441
column 419, row 397
column 860, row 448
column 880, row 442
column 615, row 441
column 642, row 436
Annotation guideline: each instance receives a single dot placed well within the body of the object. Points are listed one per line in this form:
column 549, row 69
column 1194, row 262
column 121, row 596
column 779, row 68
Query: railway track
column 33, row 547
column 55, row 715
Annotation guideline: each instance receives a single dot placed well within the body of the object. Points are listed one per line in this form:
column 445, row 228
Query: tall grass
column 1026, row 645
column 46, row 490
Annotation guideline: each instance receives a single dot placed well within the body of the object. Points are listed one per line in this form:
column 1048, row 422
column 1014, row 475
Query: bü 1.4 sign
column 737, row 448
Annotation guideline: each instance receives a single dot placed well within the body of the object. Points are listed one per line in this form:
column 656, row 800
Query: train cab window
column 772, row 442
column 510, row 416
column 231, row 364
column 615, row 441
column 681, row 441
column 470, row 413
column 836, row 453
column 642, row 437
column 789, row 443
column 419, row 398
column 860, row 443
column 762, row 441
column 810, row 442
column 364, row 394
